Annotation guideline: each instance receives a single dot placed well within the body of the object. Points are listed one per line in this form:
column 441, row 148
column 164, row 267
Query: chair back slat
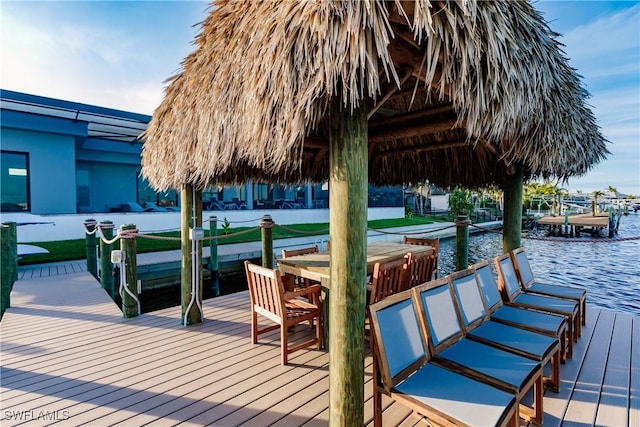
column 438, row 313
column 388, row 278
column 286, row 253
column 488, row 286
column 421, row 267
column 398, row 340
column 523, row 268
column 469, row 299
column 507, row 279
column 425, row 241
column 265, row 289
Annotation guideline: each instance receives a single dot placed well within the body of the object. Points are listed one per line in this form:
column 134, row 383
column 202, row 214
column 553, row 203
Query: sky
column 118, row 54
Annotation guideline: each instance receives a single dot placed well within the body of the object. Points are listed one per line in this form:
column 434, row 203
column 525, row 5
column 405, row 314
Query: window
column 14, row 180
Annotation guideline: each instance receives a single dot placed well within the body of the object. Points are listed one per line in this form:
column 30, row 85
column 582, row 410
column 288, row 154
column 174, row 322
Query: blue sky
column 118, row 54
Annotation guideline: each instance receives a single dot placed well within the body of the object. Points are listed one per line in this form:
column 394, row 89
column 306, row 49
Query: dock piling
column 266, row 223
column 92, row 247
column 106, row 267
column 213, row 255
column 128, row 245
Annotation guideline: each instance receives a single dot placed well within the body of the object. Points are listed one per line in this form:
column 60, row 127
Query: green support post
column 106, row 267
column 191, row 218
column 266, row 223
column 213, row 255
column 92, row 245
column 12, row 251
column 348, row 166
column 512, row 223
column 462, row 242
column 5, row 273
column 128, row 245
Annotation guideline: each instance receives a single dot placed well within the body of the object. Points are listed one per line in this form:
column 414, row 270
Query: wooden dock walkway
column 69, row 358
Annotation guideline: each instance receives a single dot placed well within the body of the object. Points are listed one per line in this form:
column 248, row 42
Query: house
column 61, row 157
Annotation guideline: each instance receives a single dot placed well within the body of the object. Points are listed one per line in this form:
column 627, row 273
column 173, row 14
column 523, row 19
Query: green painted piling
column 106, row 267
column 213, row 255
column 191, row 217
column 348, row 172
column 266, row 223
column 512, row 222
column 12, row 251
column 462, row 242
column 128, row 245
column 91, row 245
column 5, row 273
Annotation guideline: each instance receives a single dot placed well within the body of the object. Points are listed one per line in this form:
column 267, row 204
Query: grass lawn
column 65, row 250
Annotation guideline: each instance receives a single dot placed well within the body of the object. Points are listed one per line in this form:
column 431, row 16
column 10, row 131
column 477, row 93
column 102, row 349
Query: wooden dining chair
column 530, row 284
column 421, row 267
column 299, row 282
column 425, row 241
column 286, row 309
column 388, row 278
column 402, row 370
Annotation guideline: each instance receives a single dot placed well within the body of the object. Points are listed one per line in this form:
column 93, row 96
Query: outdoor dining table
column 315, row 266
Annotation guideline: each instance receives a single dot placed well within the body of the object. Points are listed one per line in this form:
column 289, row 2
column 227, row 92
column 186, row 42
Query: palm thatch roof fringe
column 252, row 101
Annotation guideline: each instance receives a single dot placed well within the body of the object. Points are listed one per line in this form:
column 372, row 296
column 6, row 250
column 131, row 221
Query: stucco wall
column 52, row 175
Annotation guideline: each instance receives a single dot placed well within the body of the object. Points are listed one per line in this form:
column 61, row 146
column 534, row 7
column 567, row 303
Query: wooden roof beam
column 393, row 89
column 413, row 131
column 420, row 114
column 420, row 149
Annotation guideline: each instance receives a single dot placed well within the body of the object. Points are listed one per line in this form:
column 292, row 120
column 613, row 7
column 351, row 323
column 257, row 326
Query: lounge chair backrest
column 523, row 268
column 488, row 286
column 469, row 298
column 398, row 338
column 438, row 313
column 507, row 279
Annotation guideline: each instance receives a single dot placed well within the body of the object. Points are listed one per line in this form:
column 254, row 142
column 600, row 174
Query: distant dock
column 576, row 224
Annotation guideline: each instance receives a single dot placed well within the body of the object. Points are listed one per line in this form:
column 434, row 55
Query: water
column 608, row 270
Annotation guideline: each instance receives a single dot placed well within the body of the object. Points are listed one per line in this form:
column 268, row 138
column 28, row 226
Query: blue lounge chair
column 402, row 370
column 513, row 294
column 528, row 282
column 451, row 349
column 478, row 325
column 545, row 323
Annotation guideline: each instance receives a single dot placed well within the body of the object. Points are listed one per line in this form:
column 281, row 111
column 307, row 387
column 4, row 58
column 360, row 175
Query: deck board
column 614, row 395
column 67, row 352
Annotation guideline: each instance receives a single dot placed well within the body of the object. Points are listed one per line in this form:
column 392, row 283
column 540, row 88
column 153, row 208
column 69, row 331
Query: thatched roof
column 456, row 91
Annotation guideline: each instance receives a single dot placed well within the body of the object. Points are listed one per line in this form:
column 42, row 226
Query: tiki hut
column 387, row 92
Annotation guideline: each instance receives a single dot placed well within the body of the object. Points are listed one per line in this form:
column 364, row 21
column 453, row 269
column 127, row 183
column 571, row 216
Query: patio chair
column 425, row 241
column 528, row 283
column 450, row 348
column 388, row 278
column 478, row 325
column 285, row 309
column 299, row 282
column 421, row 266
column 403, row 371
column 513, row 294
column 553, row 325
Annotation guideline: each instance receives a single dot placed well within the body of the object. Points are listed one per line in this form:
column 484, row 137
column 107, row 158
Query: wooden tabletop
column 315, row 266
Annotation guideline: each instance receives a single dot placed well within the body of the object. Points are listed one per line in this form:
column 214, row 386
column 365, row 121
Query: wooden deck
column 69, row 357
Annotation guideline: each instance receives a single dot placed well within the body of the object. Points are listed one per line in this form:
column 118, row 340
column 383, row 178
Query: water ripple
column 609, row 271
